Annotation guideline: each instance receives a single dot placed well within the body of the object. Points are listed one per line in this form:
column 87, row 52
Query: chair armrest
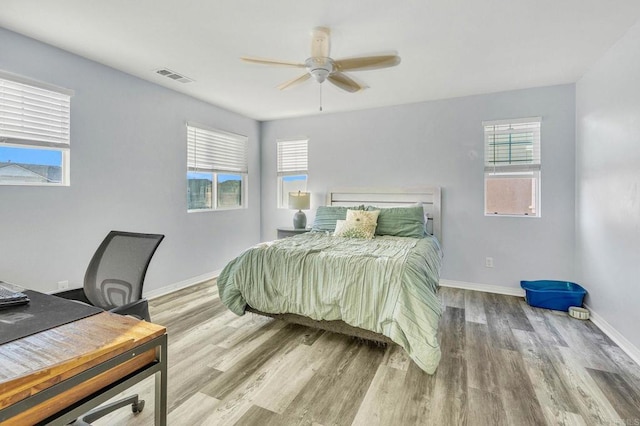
column 73, row 294
column 138, row 309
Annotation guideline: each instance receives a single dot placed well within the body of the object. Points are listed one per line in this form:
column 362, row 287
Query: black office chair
column 113, row 282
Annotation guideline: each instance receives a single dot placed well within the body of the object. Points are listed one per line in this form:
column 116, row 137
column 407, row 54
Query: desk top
column 37, row 362
column 43, row 312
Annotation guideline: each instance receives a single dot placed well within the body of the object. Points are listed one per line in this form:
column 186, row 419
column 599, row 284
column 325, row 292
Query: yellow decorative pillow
column 359, row 224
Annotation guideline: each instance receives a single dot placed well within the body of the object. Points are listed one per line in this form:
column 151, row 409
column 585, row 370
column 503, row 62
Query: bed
column 382, row 289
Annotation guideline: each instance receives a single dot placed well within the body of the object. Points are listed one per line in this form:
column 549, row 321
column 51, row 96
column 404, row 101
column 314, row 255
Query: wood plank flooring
column 503, row 363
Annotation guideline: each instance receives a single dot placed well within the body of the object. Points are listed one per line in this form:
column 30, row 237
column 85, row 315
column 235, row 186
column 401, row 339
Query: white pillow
column 359, row 224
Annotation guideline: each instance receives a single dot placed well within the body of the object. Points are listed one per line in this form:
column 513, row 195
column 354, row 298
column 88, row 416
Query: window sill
column 512, row 215
column 34, row 184
column 216, row 210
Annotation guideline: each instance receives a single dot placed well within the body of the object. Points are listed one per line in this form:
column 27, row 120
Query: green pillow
column 327, row 216
column 400, row 221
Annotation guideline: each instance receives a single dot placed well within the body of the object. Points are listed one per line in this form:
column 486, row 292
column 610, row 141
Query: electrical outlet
column 488, row 262
column 63, row 285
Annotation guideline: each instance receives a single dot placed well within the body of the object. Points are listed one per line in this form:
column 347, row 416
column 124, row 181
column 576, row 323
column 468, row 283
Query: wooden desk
column 59, row 374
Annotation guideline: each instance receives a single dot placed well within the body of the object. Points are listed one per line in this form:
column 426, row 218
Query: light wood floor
column 503, row 363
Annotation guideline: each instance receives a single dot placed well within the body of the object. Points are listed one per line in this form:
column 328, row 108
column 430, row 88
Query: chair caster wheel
column 137, row 407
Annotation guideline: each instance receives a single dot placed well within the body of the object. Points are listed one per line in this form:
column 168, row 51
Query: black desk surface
column 43, row 312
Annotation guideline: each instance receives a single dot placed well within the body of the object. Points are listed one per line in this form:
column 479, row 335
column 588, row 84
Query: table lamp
column 299, row 201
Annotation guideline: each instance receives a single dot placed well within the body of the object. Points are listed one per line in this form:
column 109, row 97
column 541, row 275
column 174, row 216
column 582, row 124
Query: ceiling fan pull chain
column 320, row 85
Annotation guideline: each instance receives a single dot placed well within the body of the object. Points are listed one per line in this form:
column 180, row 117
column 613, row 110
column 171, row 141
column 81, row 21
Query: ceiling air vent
column 173, row 75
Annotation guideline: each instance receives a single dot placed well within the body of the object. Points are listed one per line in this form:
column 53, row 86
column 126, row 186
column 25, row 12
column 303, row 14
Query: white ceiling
column 449, row 48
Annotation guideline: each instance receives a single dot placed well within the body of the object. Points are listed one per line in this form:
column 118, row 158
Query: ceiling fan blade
column 320, row 42
column 295, row 81
column 345, row 82
column 272, row 62
column 367, row 62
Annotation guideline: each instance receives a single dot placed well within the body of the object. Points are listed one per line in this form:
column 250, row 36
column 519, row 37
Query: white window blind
column 213, row 150
column 292, row 157
column 512, row 145
column 34, row 116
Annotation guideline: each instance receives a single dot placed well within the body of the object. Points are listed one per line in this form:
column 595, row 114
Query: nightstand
column 288, row 231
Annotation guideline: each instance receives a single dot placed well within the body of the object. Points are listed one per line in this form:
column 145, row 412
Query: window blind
column 215, row 151
column 512, row 145
column 31, row 115
column 292, row 157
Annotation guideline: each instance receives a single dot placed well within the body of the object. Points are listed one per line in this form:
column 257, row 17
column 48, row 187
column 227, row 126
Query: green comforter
column 387, row 285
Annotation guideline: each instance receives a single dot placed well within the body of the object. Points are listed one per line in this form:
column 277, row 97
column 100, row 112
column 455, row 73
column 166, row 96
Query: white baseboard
column 624, row 344
column 628, row 347
column 487, row 288
column 182, row 284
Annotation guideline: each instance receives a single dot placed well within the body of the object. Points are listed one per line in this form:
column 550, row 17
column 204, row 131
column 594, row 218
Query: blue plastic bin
column 557, row 295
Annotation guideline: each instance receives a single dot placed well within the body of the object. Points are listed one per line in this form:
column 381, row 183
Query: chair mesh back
column 116, row 272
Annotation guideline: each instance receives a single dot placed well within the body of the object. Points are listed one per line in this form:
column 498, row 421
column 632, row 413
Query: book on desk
column 10, row 297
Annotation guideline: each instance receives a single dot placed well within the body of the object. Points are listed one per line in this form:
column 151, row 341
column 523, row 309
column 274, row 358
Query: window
column 216, row 169
column 512, row 167
column 292, row 169
column 34, row 132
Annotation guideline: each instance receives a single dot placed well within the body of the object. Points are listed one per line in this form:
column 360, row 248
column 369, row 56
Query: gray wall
column 441, row 143
column 128, row 172
column 608, row 185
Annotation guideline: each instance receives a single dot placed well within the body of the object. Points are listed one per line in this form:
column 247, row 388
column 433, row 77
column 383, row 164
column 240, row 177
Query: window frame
column 296, row 156
column 514, row 169
column 40, row 120
column 233, row 161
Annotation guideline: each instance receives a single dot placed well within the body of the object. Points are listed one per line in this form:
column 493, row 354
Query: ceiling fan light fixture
column 320, row 75
column 319, row 68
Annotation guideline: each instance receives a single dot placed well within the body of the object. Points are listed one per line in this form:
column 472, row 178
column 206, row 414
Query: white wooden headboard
column 393, row 197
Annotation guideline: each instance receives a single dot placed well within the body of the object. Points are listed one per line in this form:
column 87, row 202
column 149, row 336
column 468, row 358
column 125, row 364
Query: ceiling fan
column 322, row 67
